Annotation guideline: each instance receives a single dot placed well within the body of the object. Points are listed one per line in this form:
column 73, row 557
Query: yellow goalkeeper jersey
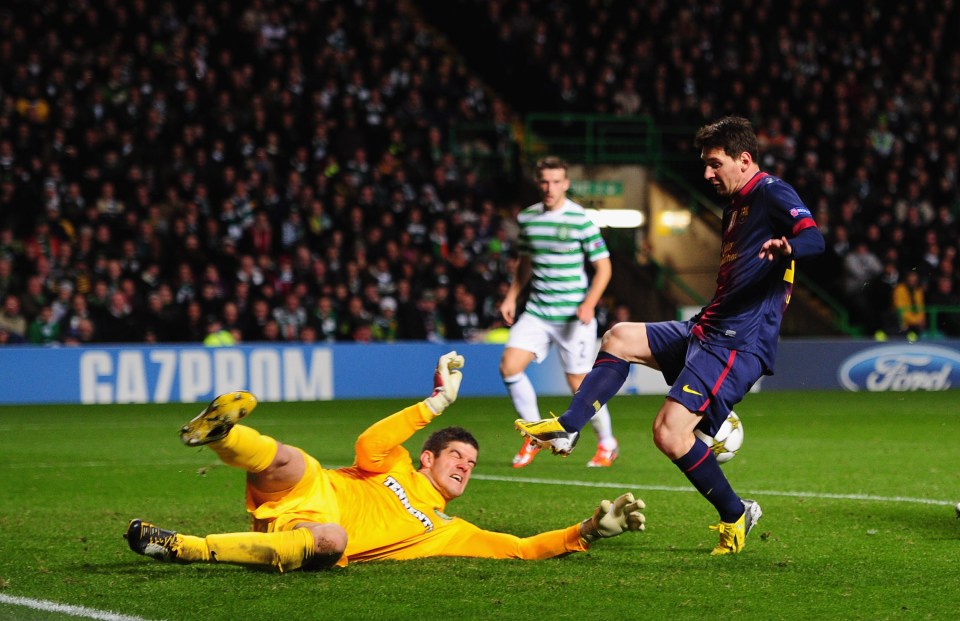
column 390, row 510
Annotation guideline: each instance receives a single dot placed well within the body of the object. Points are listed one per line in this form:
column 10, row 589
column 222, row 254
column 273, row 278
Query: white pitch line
column 73, row 611
column 667, row 488
column 509, row 479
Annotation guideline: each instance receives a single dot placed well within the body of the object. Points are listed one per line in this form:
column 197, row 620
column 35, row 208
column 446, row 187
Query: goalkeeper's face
column 449, row 471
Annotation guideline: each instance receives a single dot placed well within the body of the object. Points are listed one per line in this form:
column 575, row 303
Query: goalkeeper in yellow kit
column 381, row 507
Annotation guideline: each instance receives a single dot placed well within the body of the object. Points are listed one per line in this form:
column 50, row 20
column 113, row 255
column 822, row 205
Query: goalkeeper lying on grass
column 382, row 507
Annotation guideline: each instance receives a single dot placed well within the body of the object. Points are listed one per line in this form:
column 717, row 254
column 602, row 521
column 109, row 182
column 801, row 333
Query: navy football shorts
column 706, row 379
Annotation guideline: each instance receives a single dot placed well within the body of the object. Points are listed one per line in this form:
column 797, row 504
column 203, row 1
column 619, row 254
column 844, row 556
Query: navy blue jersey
column 752, row 293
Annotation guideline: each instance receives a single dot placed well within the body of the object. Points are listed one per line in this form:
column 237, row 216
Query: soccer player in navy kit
column 713, row 359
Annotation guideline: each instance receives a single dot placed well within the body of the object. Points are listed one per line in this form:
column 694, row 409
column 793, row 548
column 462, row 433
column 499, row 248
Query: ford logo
column 901, row 367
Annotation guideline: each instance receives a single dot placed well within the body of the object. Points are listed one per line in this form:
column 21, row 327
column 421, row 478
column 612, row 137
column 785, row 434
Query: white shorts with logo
column 576, row 342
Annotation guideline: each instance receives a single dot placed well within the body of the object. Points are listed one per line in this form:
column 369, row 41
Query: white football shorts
column 576, row 342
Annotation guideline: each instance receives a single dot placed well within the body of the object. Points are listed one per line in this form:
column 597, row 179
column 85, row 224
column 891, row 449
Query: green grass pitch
column 857, row 491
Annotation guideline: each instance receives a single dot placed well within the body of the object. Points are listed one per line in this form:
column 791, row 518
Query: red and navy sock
column 701, row 467
column 599, row 386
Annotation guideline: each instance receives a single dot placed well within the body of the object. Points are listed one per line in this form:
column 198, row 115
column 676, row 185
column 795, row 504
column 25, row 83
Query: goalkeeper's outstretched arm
column 608, row 520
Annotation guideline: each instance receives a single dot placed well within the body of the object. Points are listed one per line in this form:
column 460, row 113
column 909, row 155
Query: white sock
column 524, row 397
column 604, row 428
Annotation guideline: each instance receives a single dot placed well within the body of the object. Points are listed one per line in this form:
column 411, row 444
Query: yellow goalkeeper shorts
column 312, row 499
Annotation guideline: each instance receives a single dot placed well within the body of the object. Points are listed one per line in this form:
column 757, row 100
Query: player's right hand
column 508, row 310
column 446, row 382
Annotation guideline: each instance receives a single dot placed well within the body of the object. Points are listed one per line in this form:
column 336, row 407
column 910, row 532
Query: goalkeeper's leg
column 308, row 546
column 270, row 465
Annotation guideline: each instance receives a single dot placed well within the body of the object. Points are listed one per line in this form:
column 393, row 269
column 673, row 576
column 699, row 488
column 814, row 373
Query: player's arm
column 799, row 236
column 475, row 542
column 608, row 520
column 603, row 272
column 808, row 242
column 379, row 447
column 521, row 276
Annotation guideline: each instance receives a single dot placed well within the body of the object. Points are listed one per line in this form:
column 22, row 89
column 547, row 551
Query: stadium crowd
column 273, row 171
column 255, row 171
column 857, row 105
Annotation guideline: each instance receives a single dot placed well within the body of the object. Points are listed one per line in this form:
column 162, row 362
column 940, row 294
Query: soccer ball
column 728, row 439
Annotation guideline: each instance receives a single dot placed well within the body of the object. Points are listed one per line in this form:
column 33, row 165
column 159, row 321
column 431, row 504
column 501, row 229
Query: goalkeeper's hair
column 442, row 438
column 733, row 134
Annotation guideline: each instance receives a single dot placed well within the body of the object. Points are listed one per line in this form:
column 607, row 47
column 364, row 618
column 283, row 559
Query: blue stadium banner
column 191, row 374
column 195, row 374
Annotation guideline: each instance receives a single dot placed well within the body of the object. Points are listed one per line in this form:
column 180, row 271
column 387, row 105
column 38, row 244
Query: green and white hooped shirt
column 558, row 242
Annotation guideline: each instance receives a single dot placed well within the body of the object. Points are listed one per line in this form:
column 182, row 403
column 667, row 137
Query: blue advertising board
column 191, row 374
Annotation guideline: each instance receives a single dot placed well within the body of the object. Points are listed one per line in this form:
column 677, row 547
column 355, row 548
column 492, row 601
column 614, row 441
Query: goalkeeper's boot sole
column 150, row 540
column 733, row 536
column 549, row 433
column 218, row 418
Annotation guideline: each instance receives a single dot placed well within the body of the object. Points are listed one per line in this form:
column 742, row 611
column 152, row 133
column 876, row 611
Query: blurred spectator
column 260, row 315
column 63, row 301
column 860, row 267
column 354, row 316
column 160, row 319
column 44, row 330
column 430, row 319
column 291, row 317
column 386, row 326
column 909, row 303
column 12, row 319
column 882, row 314
column 118, row 323
column 217, row 335
column 192, row 327
column 943, row 295
column 10, row 338
column 464, row 324
column 33, row 298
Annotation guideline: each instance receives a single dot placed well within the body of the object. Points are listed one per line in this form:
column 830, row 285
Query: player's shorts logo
column 686, row 388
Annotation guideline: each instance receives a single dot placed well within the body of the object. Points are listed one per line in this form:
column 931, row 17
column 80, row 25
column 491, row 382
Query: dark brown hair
column 551, row 162
column 733, row 134
column 442, row 438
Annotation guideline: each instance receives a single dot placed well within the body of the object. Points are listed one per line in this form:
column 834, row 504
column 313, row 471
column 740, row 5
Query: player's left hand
column 586, row 313
column 773, row 248
column 446, row 382
column 613, row 518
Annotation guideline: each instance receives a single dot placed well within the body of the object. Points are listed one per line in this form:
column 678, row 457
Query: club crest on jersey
column 563, row 232
column 737, row 216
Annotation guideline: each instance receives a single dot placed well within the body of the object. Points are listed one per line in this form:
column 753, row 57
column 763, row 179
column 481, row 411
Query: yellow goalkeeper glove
column 446, row 382
column 613, row 518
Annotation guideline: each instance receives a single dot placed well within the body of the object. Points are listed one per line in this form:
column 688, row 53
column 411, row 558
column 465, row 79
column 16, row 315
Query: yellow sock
column 245, row 447
column 284, row 550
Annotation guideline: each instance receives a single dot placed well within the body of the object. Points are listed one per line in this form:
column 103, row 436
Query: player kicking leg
column 697, row 400
column 531, row 339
